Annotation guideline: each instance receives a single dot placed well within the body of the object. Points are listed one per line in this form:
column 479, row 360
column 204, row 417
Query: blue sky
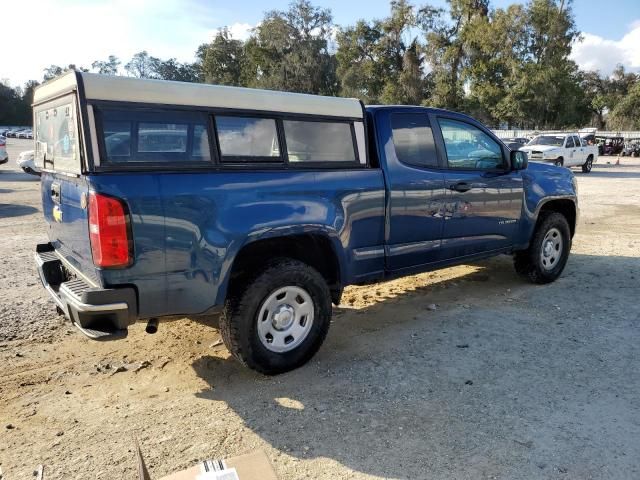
column 591, row 16
column 81, row 31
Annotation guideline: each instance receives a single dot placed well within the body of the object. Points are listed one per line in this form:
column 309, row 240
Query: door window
column 469, row 148
column 570, row 143
column 413, row 139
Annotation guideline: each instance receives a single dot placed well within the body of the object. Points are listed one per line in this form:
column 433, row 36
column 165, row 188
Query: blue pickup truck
column 166, row 199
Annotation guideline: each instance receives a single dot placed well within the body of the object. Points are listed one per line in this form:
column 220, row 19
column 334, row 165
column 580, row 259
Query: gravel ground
column 464, row 373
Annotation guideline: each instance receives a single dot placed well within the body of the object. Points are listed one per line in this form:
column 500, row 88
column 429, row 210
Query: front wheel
column 547, row 255
column 559, row 162
column 586, row 167
column 280, row 319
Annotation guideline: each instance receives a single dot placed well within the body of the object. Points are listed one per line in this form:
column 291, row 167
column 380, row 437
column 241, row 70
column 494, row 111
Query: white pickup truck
column 565, row 149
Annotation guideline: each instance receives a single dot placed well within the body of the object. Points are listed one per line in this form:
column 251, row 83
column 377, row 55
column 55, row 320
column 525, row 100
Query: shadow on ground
column 14, row 176
column 605, row 173
column 499, row 387
column 11, row 210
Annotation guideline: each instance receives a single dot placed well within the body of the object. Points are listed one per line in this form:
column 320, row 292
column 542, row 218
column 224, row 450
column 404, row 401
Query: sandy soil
column 502, row 379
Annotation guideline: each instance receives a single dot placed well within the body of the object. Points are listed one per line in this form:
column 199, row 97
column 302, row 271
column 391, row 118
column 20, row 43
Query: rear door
column 63, row 187
column 571, row 152
column 415, row 188
column 580, row 155
column 484, row 197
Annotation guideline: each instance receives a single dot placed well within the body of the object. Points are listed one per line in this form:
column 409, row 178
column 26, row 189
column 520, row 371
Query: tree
column 52, row 71
column 173, row 70
column 289, row 51
column 382, row 61
column 107, row 67
column 142, row 65
column 223, row 61
column 446, row 42
column 360, row 68
column 626, row 114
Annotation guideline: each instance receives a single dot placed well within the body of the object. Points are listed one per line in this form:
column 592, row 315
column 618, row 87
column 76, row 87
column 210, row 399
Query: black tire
column 239, row 320
column 559, row 162
column 586, row 167
column 528, row 263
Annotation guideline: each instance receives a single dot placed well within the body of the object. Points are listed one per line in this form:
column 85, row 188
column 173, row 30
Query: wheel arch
column 315, row 248
column 564, row 205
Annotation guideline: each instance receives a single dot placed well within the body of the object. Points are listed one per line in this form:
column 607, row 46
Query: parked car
column 25, row 134
column 14, row 133
column 515, row 143
column 26, row 162
column 269, row 204
column 631, row 149
column 4, row 156
column 567, row 150
column 610, row 145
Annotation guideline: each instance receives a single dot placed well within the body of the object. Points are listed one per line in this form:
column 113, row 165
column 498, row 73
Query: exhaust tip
column 152, row 326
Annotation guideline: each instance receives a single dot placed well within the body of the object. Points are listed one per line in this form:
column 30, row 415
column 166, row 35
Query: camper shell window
column 136, row 136
column 57, row 145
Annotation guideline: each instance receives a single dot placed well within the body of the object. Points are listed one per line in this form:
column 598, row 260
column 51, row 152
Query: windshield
column 56, row 136
column 553, row 140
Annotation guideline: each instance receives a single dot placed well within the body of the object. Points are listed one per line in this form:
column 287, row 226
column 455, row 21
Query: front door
column 484, row 197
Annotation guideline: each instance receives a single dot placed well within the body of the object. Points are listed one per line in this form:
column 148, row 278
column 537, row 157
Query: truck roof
column 129, row 89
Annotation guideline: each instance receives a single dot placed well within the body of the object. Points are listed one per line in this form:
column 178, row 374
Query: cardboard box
column 252, row 466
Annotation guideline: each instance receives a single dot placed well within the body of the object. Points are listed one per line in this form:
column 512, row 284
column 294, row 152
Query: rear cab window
column 57, row 146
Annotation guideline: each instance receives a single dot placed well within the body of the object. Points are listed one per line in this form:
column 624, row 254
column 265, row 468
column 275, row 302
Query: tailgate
column 64, row 204
column 64, row 188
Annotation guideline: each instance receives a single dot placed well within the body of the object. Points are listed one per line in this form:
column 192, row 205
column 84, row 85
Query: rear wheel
column 559, row 162
column 547, row 255
column 280, row 319
column 586, row 167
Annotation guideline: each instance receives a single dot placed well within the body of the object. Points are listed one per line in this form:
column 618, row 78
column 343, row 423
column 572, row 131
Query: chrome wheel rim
column 285, row 319
column 589, row 164
column 551, row 250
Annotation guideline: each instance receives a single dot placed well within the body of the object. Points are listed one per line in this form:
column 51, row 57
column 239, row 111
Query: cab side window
column 569, row 143
column 469, row 148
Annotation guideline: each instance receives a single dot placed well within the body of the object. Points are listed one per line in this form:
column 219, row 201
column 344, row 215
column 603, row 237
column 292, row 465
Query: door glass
column 469, row 148
column 570, row 142
column 413, row 140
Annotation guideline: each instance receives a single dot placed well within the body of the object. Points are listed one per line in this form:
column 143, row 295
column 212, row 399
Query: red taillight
column 108, row 231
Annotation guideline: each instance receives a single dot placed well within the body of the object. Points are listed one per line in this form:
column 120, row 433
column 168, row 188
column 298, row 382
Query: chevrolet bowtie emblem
column 57, row 214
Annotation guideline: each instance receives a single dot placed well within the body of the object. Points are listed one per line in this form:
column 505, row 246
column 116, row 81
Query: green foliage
column 223, row 60
column 289, row 51
column 382, row 61
column 107, row 67
column 626, row 114
column 505, row 66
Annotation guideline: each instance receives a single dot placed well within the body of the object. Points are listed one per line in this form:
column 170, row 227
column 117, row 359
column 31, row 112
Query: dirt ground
column 501, row 379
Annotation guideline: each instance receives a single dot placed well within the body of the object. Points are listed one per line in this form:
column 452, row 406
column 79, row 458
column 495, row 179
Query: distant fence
column 531, row 133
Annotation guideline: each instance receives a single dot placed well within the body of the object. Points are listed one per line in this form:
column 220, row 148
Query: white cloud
column 241, row 31
column 598, row 53
column 61, row 32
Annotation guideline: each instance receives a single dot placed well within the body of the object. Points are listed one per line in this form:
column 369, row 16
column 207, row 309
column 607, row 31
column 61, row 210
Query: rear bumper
column 99, row 313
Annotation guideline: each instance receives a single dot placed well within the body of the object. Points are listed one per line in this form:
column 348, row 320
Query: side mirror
column 519, row 160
